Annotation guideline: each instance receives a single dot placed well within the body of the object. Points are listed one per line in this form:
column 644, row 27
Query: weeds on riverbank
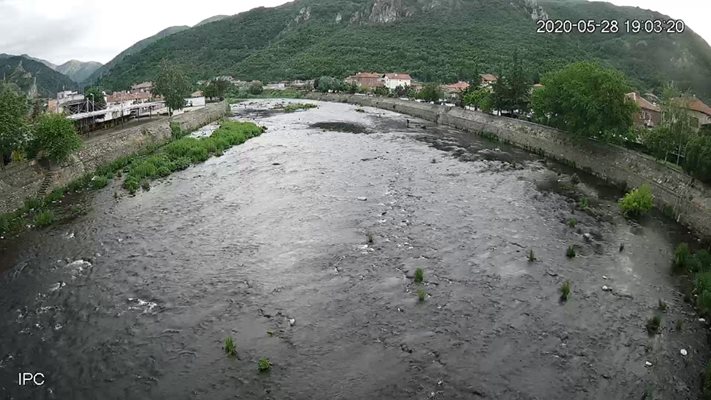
column 180, row 154
column 637, row 202
column 572, row 222
column 264, row 365
column 662, row 306
column 140, row 168
column 698, row 265
column 230, row 347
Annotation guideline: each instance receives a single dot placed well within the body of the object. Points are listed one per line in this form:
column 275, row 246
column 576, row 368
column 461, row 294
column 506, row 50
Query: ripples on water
column 268, row 244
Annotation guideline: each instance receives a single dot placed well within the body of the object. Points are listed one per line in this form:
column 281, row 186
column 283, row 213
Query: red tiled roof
column 457, row 86
column 699, row 106
column 488, row 77
column 642, row 102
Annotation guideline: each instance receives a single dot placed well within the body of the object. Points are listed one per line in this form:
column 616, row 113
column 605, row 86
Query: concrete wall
column 21, row 180
column 689, row 199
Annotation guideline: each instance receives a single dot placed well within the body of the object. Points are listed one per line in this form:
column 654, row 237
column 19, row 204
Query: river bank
column 28, row 179
column 676, row 193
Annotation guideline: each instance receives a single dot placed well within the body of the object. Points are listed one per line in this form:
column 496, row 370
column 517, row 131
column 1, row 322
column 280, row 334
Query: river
column 302, row 244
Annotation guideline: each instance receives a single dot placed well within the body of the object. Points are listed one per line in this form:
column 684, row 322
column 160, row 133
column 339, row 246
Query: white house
column 392, row 81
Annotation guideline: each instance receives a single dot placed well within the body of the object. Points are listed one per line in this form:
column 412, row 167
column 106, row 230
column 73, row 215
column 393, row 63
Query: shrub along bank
column 139, row 169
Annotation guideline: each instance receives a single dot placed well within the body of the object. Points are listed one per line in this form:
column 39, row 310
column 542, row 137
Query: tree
column 173, row 85
column 698, row 156
column 512, row 89
column 55, row 138
column 431, row 92
column 13, row 121
column 256, row 88
column 477, row 98
column 325, row 84
column 96, row 95
column 587, row 100
column 216, row 88
column 676, row 129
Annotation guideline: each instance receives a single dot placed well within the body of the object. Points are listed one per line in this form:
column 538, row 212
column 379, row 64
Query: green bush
column 565, row 289
column 230, row 347
column 175, row 131
column 264, row 365
column 55, row 137
column 421, row 294
column 638, row 201
column 56, row 195
column 419, row 275
column 44, row 218
column 682, row 256
column 99, row 182
column 33, row 203
column 570, row 251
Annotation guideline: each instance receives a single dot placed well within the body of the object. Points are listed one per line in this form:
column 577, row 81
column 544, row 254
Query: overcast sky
column 97, row 30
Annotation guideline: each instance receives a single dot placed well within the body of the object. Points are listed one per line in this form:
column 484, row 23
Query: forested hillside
column 22, row 71
column 434, row 40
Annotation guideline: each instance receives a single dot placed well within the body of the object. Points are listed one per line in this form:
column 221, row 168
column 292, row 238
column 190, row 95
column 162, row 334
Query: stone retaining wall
column 686, row 197
column 20, row 180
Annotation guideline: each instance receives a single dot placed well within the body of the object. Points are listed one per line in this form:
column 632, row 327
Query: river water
column 270, row 244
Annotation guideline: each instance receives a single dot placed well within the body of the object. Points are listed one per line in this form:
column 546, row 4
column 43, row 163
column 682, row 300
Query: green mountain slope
column 78, row 71
column 441, row 40
column 136, row 48
column 22, row 71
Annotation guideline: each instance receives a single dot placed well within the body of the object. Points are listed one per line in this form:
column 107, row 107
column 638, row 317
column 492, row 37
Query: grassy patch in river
column 139, row 169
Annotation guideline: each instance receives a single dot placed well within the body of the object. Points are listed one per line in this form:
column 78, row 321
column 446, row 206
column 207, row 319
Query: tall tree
column 173, row 85
column 13, row 121
column 587, row 100
column 55, row 138
column 677, row 128
column 430, row 92
column 96, row 96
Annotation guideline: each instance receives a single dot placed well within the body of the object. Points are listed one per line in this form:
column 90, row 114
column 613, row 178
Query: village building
column 366, row 80
column 455, row 88
column 649, row 114
column 144, row 87
column 487, row 80
column 393, row 80
column 700, row 111
column 128, row 98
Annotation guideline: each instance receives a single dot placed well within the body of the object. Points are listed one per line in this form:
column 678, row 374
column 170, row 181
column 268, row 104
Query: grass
column 44, row 218
column 421, row 294
column 653, row 325
column 565, row 289
column 572, row 222
column 369, row 238
column 570, row 252
column 230, row 347
column 293, row 107
column 419, row 275
column 584, row 203
column 184, row 152
column 682, row 255
column 637, row 202
column 264, row 365
column 531, row 256
column 99, row 182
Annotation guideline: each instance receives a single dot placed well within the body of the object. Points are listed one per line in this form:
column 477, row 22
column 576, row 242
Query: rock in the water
column 292, row 322
column 362, row 198
column 606, row 288
column 647, row 364
column 683, row 352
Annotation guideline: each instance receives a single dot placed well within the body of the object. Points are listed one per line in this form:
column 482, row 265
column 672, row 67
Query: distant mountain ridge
column 434, row 40
column 135, row 48
column 78, row 71
column 23, row 72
